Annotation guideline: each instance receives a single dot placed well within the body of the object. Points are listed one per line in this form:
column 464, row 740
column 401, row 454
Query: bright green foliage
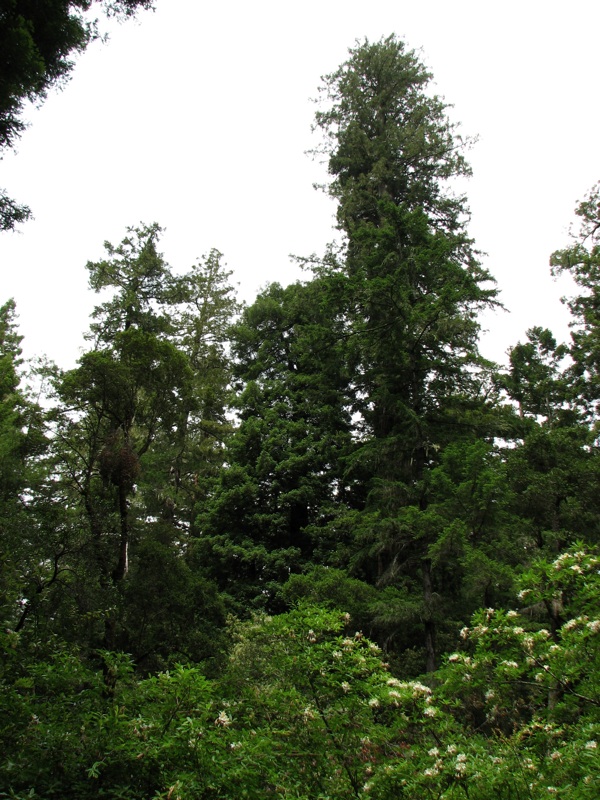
column 70, row 731
column 302, row 711
column 515, row 713
column 307, row 709
column 332, row 588
column 532, row 688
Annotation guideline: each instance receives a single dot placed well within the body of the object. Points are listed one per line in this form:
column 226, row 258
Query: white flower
column 347, row 643
column 346, row 618
column 345, row 686
column 235, row 745
column 523, row 593
column 464, row 633
column 337, row 654
column 419, row 688
column 374, row 702
column 311, row 636
column 576, row 568
column 431, row 772
column 430, row 711
column 591, row 745
column 393, row 682
column 223, row 719
column 555, row 755
column 490, row 694
column 460, row 769
column 433, row 752
column 512, row 614
column 572, row 623
column 518, row 631
column 594, row 625
column 461, row 758
column 511, row 664
column 454, row 657
column 394, row 693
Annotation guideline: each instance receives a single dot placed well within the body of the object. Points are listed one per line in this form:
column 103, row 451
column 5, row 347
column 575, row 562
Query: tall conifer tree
column 414, row 288
column 138, row 434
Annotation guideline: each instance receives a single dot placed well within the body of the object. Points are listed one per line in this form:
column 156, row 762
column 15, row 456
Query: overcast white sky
column 198, row 116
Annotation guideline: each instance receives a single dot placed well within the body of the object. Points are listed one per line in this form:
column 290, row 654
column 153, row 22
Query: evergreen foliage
column 317, row 547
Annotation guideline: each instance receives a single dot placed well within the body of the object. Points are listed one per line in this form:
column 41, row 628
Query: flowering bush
column 307, row 709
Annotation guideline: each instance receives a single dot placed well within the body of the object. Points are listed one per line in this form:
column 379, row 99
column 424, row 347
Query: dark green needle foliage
column 282, row 484
column 24, row 576
column 413, row 290
column 138, row 432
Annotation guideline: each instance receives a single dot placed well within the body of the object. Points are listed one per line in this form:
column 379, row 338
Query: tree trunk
column 123, row 563
column 430, row 626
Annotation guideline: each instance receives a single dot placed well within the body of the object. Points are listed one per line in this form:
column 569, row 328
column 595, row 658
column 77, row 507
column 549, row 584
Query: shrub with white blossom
column 307, row 709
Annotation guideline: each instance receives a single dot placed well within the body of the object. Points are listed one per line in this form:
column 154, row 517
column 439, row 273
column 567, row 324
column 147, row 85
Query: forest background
column 245, row 550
